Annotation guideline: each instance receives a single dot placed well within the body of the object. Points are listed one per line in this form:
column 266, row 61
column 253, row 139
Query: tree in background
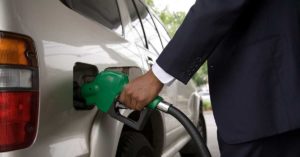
column 172, row 21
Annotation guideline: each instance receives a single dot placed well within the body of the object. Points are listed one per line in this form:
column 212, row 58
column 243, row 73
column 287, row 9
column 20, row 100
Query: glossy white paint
column 63, row 37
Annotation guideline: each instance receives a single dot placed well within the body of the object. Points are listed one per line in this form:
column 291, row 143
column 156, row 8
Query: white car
column 205, row 95
column 49, row 48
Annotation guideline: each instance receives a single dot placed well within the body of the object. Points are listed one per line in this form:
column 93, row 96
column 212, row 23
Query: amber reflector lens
column 13, row 51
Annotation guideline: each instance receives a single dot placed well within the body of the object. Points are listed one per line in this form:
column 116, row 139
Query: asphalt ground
column 211, row 127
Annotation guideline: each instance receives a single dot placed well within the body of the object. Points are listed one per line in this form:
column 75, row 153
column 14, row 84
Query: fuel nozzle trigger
column 133, row 122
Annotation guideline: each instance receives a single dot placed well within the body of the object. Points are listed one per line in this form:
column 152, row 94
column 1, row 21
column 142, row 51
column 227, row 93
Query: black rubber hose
column 191, row 129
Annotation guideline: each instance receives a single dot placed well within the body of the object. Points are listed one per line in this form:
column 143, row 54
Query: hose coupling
column 163, row 106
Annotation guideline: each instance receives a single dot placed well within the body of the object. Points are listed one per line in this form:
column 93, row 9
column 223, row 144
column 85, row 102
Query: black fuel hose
column 191, row 129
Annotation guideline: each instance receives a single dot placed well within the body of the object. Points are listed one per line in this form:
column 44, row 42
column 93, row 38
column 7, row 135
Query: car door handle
column 150, row 61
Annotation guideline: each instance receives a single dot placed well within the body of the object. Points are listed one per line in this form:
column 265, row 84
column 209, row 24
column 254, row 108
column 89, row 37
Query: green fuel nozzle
column 104, row 91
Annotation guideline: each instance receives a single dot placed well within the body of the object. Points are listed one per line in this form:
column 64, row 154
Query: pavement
column 211, row 129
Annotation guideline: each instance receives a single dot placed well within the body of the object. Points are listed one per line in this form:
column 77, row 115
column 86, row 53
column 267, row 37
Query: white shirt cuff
column 162, row 75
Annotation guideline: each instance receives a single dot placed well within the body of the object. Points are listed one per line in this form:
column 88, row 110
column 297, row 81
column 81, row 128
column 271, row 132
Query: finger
column 140, row 105
column 127, row 101
column 134, row 104
column 127, row 97
column 130, row 105
column 122, row 97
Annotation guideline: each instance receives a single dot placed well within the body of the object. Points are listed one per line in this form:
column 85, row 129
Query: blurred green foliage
column 207, row 105
column 172, row 21
column 201, row 76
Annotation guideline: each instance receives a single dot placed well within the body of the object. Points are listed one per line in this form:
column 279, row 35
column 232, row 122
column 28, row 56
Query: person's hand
column 140, row 91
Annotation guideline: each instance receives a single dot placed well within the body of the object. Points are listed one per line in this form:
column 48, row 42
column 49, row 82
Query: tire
column 134, row 144
column 202, row 128
column 190, row 150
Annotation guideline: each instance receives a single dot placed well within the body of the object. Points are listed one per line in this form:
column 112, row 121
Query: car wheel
column 190, row 150
column 202, row 128
column 134, row 144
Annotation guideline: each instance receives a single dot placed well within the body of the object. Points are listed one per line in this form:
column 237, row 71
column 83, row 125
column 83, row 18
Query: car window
column 105, row 12
column 136, row 32
column 143, row 24
column 164, row 36
column 154, row 42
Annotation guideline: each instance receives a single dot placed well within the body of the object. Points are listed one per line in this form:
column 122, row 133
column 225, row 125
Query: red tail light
column 18, row 91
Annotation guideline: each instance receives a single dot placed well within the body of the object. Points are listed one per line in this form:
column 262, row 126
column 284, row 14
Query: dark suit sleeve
column 204, row 27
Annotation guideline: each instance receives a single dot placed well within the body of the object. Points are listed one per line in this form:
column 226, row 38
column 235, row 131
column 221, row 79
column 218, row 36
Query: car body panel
column 63, row 37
